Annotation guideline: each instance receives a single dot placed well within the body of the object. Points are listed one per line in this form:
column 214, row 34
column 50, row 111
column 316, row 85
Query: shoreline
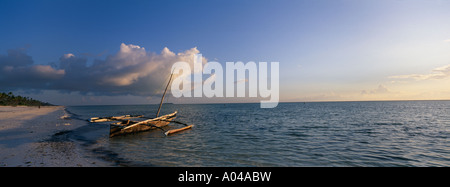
column 39, row 137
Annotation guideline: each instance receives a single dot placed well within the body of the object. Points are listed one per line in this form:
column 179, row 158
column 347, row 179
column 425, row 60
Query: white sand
column 32, row 136
column 11, row 117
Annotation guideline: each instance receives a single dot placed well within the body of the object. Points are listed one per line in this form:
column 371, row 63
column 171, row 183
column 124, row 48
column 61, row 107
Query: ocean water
column 392, row 133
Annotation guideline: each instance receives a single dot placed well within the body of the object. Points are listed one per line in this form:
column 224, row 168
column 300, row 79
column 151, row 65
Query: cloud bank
column 131, row 71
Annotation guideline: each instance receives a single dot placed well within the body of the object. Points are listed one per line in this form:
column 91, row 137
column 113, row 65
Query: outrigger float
column 127, row 126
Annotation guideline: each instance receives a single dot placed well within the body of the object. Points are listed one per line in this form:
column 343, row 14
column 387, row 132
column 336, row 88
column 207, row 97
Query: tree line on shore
column 9, row 99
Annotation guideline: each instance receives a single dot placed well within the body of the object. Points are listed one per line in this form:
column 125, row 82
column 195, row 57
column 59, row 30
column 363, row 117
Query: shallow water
column 395, row 133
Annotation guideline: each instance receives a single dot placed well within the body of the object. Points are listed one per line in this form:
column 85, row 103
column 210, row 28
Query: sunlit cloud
column 437, row 73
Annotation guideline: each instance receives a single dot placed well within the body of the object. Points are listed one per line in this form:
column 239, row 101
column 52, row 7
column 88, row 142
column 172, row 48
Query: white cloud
column 381, row 89
column 68, row 55
column 437, row 73
column 132, row 70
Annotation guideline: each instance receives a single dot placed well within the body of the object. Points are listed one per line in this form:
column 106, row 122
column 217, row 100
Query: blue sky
column 328, row 50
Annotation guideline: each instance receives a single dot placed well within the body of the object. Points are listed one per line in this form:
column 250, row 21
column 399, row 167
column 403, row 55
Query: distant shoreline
column 259, row 103
column 9, row 99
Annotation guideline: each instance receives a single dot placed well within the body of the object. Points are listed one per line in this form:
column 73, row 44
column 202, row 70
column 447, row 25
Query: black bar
column 269, row 176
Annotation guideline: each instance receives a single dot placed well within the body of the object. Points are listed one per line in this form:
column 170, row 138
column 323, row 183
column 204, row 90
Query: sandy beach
column 36, row 137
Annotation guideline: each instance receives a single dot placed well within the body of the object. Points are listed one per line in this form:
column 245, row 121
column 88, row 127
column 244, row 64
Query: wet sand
column 37, row 137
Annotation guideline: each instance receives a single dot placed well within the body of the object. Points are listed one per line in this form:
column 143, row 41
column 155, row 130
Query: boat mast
column 162, row 99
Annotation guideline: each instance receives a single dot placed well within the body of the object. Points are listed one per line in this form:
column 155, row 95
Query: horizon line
column 331, row 101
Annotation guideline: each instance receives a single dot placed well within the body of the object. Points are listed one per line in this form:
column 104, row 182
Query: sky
column 77, row 52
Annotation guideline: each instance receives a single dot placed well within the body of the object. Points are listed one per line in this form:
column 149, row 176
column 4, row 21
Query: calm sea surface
column 394, row 133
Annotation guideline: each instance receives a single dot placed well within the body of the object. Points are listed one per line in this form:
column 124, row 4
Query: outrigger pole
column 167, row 133
column 162, row 99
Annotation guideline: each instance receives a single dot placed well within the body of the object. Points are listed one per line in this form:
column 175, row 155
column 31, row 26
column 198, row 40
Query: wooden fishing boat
column 126, row 126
